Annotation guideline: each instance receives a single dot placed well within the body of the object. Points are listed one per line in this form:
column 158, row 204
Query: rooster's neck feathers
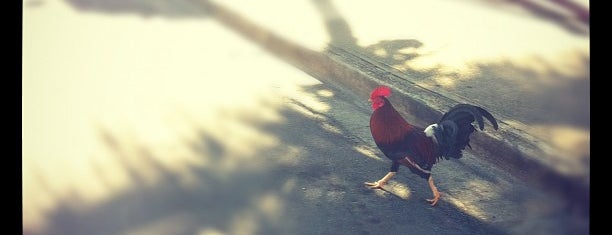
column 387, row 124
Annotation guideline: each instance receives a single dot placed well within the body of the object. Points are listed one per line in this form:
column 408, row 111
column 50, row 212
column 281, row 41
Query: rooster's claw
column 375, row 185
column 434, row 200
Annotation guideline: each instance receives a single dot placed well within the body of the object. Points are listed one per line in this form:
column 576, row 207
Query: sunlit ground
column 110, row 99
column 98, row 90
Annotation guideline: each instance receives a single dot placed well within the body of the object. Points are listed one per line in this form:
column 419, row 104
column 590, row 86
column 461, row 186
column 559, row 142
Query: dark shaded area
column 568, row 15
column 395, row 52
column 579, row 11
column 537, row 98
column 321, row 191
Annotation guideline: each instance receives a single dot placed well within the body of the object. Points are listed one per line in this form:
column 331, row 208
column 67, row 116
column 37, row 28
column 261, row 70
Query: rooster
column 420, row 148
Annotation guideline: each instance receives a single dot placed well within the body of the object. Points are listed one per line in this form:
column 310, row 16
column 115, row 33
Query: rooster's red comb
column 380, row 91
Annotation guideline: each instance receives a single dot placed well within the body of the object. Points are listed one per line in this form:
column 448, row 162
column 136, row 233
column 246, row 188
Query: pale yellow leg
column 378, row 184
column 435, row 191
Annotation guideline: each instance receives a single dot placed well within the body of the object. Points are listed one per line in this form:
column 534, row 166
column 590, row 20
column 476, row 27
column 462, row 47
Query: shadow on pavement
column 565, row 13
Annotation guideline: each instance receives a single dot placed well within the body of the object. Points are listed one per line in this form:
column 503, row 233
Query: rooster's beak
column 370, row 100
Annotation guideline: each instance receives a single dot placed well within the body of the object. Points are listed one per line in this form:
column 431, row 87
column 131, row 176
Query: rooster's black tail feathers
column 455, row 126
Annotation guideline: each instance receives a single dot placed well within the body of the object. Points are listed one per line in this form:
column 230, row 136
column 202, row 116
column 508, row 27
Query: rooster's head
column 377, row 96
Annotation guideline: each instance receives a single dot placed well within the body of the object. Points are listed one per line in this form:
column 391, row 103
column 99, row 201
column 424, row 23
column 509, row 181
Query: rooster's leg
column 378, row 184
column 435, row 191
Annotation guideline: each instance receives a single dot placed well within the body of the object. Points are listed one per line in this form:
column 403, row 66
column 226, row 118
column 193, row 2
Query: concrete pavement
column 152, row 118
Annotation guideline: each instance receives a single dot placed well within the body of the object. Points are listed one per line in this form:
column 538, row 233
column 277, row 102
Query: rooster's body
column 420, row 148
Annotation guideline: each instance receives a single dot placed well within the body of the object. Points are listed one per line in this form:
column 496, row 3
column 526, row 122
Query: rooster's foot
column 434, row 200
column 375, row 185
